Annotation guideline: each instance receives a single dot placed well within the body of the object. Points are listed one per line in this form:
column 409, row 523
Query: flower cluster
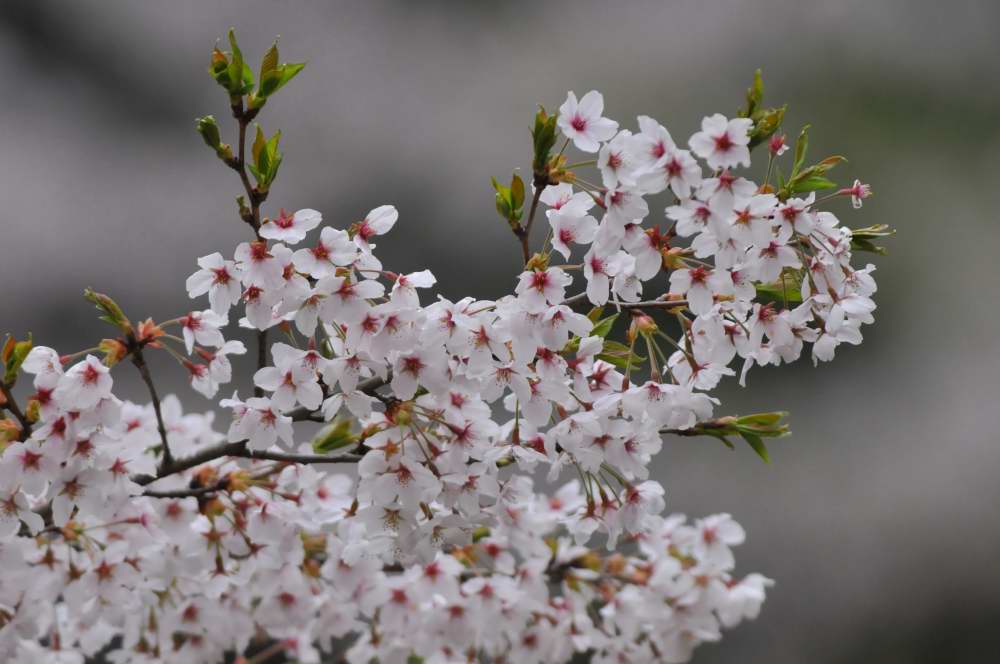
column 140, row 531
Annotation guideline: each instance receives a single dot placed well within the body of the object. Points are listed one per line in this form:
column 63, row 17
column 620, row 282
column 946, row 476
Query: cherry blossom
column 291, row 228
column 499, row 498
column 581, row 121
column 722, row 143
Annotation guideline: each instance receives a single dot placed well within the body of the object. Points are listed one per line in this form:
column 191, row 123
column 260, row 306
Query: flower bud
column 644, row 323
column 205, row 476
column 148, row 332
column 400, row 413
column 34, row 410
column 9, row 431
column 672, row 257
column 213, row 507
column 112, row 312
column 538, row 262
column 114, row 351
column 777, row 145
column 238, row 480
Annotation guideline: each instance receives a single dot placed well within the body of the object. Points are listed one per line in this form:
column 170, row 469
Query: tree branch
column 525, row 234
column 261, row 358
column 247, row 454
column 239, row 450
column 648, row 304
column 239, row 165
column 140, row 363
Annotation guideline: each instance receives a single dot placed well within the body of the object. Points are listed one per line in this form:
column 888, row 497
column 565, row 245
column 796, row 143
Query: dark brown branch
column 15, row 410
column 239, row 449
column 524, row 234
column 648, row 304
column 140, row 363
column 261, row 358
column 243, row 117
column 263, row 456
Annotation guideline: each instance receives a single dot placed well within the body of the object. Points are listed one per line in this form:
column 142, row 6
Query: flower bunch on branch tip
column 151, row 534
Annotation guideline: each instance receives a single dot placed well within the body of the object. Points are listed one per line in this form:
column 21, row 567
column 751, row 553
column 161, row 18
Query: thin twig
column 249, row 454
column 261, row 359
column 525, row 234
column 140, row 363
column 239, row 449
column 648, row 304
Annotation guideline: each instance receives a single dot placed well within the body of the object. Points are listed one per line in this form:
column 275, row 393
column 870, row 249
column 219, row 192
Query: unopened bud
column 112, row 312
column 537, row 262
column 238, row 480
column 644, row 323
column 313, row 545
column 590, row 560
column 213, row 507
column 33, row 411
column 673, row 258
column 205, row 476
column 9, row 431
column 400, row 413
column 148, row 332
column 114, row 351
column 777, row 145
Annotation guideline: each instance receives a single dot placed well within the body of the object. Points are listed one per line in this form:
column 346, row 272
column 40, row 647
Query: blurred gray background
column 879, row 518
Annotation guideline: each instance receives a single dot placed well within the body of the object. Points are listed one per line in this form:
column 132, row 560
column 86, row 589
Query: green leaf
column 728, row 443
column 269, row 63
column 517, row 192
column 112, row 313
column 767, row 122
column 258, row 145
column 863, row 239
column 15, row 358
column 239, row 74
column 273, row 156
column 218, row 68
column 761, row 419
column 334, row 437
column 503, row 207
column 275, row 79
column 812, row 183
column 603, row 327
column 801, row 147
column 617, row 354
column 788, row 288
column 872, row 232
column 287, row 72
column 755, row 96
column 543, row 136
column 757, row 444
column 510, row 200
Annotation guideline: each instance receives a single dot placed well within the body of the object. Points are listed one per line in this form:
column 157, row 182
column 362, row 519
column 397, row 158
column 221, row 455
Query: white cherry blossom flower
column 291, row 228
column 723, row 143
column 581, row 121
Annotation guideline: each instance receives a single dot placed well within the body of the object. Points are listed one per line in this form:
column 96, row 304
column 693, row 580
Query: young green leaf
column 334, row 437
column 801, row 147
column 603, row 327
column 14, row 354
column 757, row 444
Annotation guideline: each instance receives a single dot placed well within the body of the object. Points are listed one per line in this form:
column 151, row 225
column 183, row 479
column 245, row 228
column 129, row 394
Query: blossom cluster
column 499, row 444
